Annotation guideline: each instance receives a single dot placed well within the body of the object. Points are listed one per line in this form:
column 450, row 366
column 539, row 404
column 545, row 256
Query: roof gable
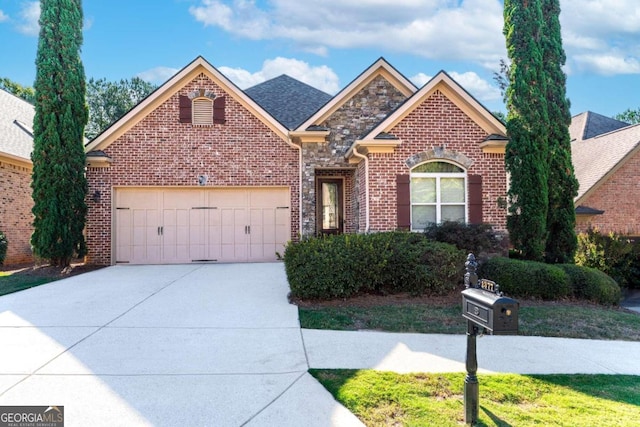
column 443, row 83
column 16, row 122
column 170, row 88
column 380, row 67
column 288, row 100
column 597, row 158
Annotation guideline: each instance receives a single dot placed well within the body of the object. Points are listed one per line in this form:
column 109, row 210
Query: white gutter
column 354, row 151
column 299, row 148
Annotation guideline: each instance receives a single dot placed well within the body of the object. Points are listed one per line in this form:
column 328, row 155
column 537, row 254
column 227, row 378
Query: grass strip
column 554, row 320
column 389, row 399
column 10, row 283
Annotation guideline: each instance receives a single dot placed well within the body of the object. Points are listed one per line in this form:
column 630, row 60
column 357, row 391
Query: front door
column 330, row 215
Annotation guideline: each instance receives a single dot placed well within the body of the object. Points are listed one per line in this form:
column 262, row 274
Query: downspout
column 366, row 184
column 299, row 148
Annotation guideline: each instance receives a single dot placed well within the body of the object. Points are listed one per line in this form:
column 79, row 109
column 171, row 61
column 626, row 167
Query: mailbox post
column 487, row 312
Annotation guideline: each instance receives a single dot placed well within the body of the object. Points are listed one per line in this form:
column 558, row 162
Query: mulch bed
column 46, row 270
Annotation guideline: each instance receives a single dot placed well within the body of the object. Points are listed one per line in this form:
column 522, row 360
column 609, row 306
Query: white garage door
column 170, row 225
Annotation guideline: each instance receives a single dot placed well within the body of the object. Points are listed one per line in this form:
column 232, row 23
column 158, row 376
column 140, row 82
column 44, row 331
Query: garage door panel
column 196, row 224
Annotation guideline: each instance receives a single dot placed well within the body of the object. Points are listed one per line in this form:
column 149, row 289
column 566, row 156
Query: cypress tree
column 563, row 186
column 59, row 184
column 526, row 152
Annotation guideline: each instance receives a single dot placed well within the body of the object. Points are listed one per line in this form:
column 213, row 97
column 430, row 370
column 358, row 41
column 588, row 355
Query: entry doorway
column 330, row 206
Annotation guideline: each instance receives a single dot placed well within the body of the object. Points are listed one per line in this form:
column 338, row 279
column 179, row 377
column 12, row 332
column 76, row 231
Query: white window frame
column 438, row 203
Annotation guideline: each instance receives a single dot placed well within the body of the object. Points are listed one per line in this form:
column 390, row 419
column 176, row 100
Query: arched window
column 438, row 193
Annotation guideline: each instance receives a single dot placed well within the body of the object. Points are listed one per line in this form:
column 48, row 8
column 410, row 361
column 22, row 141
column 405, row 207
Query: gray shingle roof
column 594, row 157
column 589, row 125
column 288, row 100
column 16, row 121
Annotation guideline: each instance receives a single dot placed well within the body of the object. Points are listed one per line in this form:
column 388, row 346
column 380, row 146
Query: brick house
column 201, row 171
column 16, row 144
column 606, row 159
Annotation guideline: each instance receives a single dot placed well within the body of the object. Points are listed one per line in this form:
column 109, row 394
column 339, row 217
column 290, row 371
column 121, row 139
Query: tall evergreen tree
column 525, row 158
column 59, row 184
column 563, row 186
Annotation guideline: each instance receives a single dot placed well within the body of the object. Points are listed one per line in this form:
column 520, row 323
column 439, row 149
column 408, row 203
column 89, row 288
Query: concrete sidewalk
column 405, row 353
column 220, row 345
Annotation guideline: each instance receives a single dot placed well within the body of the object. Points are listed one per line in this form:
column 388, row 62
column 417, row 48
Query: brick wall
column 619, row 198
column 15, row 211
column 160, row 151
column 438, row 122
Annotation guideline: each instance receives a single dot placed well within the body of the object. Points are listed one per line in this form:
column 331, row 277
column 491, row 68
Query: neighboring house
column 606, row 160
column 201, row 171
column 16, row 144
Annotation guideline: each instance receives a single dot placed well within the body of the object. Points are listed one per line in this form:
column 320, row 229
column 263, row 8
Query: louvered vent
column 202, row 112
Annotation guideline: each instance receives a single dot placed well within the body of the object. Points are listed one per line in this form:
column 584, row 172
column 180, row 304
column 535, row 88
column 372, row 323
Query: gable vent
column 202, row 112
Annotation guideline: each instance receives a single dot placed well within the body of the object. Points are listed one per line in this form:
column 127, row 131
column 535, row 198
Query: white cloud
column 453, row 30
column 608, row 64
column 481, row 89
column 3, row 16
column 158, row 74
column 420, row 79
column 437, row 29
column 29, row 15
column 320, row 77
column 476, row 86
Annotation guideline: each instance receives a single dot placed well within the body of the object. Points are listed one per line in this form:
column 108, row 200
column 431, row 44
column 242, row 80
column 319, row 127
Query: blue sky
column 327, row 43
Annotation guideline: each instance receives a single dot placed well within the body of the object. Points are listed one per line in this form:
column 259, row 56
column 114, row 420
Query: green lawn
column 10, row 283
column 551, row 320
column 389, row 399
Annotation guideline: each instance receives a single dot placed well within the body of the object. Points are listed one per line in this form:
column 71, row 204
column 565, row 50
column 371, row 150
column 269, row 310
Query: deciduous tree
column 108, row 101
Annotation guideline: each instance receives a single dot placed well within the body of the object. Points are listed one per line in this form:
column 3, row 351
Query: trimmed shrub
column 527, row 279
column 345, row 265
column 592, row 284
column 613, row 254
column 4, row 243
column 475, row 238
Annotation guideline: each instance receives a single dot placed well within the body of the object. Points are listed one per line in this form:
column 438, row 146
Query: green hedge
column 3, row 247
column 348, row 264
column 529, row 279
column 478, row 239
column 592, row 284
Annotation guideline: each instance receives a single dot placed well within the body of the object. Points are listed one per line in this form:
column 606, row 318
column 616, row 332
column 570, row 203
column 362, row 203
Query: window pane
column 437, row 167
column 452, row 190
column 329, row 206
column 422, row 216
column 453, row 213
column 423, row 190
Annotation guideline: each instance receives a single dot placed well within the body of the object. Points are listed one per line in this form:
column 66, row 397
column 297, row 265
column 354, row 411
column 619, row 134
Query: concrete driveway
column 197, row 345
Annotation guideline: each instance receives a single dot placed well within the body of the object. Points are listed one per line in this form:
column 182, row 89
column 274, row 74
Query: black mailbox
column 490, row 310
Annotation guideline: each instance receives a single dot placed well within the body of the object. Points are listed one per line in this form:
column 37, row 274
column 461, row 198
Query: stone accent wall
column 355, row 118
column 16, row 219
column 161, row 151
column 437, row 125
column 619, row 198
column 348, row 176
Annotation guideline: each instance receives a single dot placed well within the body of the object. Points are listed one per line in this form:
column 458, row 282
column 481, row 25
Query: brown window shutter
column 218, row 110
column 475, row 199
column 403, row 193
column 185, row 109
